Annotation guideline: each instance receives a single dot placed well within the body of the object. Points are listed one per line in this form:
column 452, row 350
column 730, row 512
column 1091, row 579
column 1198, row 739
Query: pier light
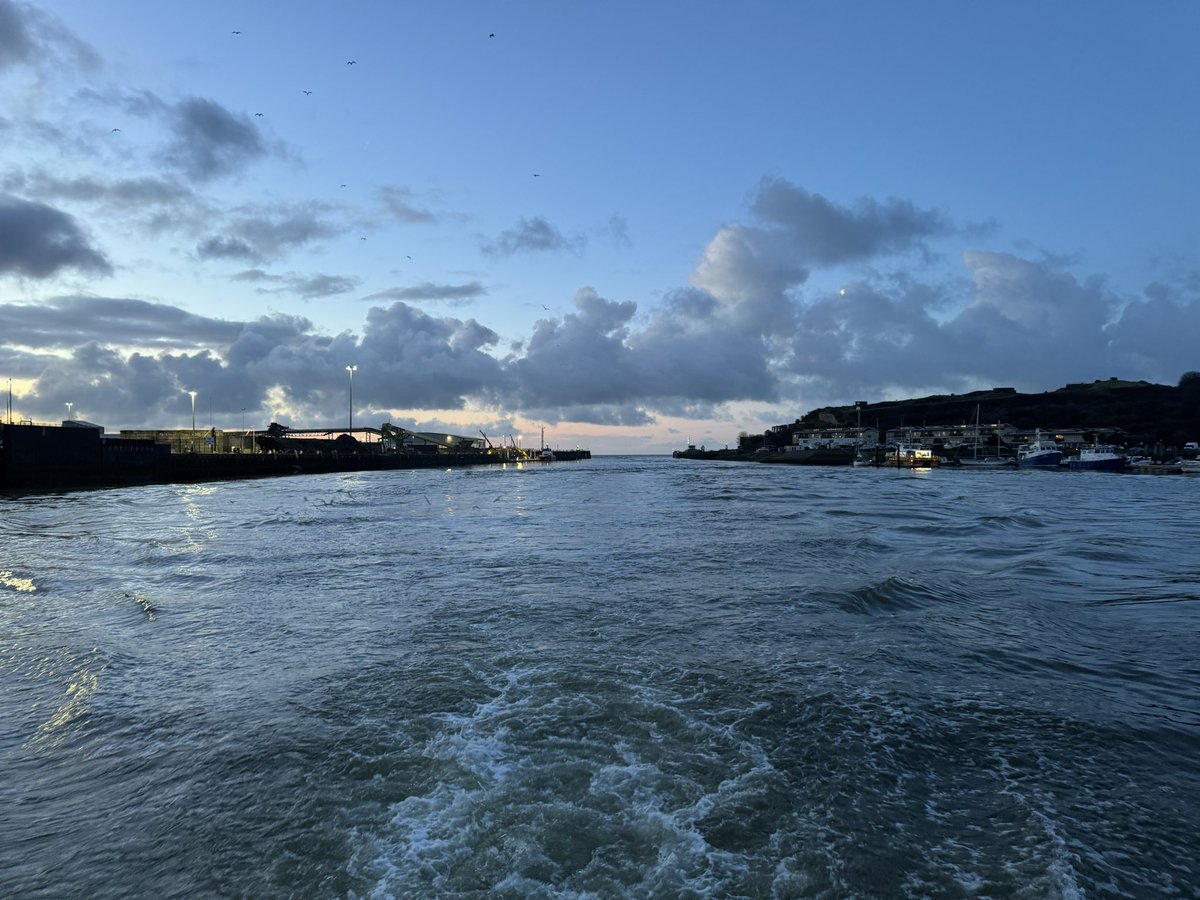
column 69, row 405
column 192, row 394
column 351, row 370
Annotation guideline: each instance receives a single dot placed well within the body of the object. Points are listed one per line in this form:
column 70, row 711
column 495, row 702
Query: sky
column 634, row 225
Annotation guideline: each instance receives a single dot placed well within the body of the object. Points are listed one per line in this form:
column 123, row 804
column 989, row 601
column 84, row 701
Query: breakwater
column 53, row 457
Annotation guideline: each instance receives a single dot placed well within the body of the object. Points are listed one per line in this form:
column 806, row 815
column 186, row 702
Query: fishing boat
column 546, row 455
column 1101, row 458
column 1039, row 453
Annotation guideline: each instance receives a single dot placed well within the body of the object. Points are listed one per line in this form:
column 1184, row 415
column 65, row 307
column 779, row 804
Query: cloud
column 824, row 233
column 752, row 327
column 428, row 291
column 69, row 321
column 30, row 37
column 595, row 366
column 617, row 230
column 17, row 45
column 534, row 235
column 134, row 193
column 270, row 233
column 305, row 286
column 800, row 230
column 40, row 241
column 227, row 248
column 396, row 202
column 1018, row 322
column 210, row 141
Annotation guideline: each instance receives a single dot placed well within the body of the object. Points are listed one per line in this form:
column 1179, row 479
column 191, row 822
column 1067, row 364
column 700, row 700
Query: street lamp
column 243, row 441
column 192, row 394
column 69, row 405
column 352, row 370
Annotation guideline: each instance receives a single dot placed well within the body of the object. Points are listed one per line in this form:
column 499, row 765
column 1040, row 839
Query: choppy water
column 632, row 676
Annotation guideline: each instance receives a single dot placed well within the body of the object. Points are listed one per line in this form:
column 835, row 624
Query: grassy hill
column 1147, row 413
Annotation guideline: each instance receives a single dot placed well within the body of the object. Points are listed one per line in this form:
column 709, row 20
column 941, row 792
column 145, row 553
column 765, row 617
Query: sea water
column 625, row 677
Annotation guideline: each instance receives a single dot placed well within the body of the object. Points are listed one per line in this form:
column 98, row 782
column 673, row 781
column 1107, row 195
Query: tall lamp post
column 192, row 394
column 69, row 405
column 352, row 370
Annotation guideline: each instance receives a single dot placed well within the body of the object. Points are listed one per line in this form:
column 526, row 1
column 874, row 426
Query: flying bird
column 546, row 308
column 235, row 32
column 116, row 129
column 351, row 62
column 259, row 115
column 307, row 92
column 493, row 34
column 536, row 175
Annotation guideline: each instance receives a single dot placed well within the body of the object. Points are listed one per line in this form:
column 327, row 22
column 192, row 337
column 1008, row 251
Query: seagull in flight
column 259, row 115
column 493, row 34
column 235, row 32
column 306, row 93
column 116, row 129
column 351, row 62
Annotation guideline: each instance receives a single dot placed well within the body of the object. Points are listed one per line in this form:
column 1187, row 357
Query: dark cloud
column 802, row 230
column 1024, row 323
column 750, row 328
column 30, row 37
column 428, row 291
column 67, row 322
column 307, row 286
column 256, row 276
column 135, row 193
column 135, row 391
column 268, row 234
column 314, row 286
column 210, row 141
column 40, row 241
column 826, row 233
column 227, row 248
column 17, row 45
column 534, row 235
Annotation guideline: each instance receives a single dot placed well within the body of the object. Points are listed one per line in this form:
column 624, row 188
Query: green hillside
column 1147, row 413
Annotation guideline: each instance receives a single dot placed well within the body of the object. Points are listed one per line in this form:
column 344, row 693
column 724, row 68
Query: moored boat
column 981, row 462
column 1039, row 453
column 910, row 456
column 1101, row 458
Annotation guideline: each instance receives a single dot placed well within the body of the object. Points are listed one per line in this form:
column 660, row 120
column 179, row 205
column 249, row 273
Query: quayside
column 64, row 458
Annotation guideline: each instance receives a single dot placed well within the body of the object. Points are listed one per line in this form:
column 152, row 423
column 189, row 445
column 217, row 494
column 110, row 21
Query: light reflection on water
column 632, row 676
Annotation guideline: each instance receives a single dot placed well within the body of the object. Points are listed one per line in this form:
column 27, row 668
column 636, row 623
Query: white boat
column 911, row 456
column 1102, row 457
column 1040, row 453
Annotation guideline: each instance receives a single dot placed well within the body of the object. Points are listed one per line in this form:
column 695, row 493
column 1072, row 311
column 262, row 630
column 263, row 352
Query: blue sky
column 631, row 223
